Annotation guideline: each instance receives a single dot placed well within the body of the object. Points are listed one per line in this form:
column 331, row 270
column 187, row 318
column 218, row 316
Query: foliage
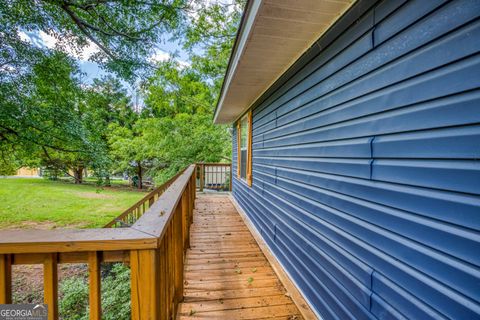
column 44, row 121
column 116, row 293
column 115, row 296
column 126, row 33
column 182, row 98
column 74, row 299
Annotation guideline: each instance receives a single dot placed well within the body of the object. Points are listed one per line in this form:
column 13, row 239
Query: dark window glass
column 243, row 147
column 243, row 165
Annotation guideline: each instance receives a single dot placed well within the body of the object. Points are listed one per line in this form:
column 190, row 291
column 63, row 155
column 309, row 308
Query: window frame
column 248, row 179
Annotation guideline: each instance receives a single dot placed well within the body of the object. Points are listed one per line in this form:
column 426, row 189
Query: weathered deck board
column 226, row 274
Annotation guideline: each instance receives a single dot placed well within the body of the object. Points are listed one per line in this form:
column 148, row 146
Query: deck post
column 202, row 176
column 5, row 279
column 145, row 277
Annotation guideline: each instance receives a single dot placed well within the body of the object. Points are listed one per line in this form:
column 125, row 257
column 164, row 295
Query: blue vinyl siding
column 366, row 170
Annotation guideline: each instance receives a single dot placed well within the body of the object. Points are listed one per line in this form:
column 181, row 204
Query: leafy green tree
column 129, row 150
column 42, row 117
column 126, row 33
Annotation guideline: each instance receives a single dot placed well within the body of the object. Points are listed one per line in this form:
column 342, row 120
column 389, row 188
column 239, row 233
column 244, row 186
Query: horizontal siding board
column 406, row 15
column 364, row 25
column 448, row 143
column 349, row 148
column 458, row 175
column 448, row 270
column 459, row 109
column 348, row 167
column 447, row 301
column 409, row 92
column 320, row 273
column 366, row 165
column 382, row 310
column 401, row 299
column 396, row 60
column 349, row 307
column 457, row 242
column 448, row 207
column 356, row 268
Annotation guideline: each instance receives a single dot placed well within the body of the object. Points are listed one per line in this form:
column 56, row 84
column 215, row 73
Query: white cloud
column 42, row 39
column 161, row 55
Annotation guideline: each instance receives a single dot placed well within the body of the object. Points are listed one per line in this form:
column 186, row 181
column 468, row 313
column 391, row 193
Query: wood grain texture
column 5, row 279
column 71, row 240
column 155, row 220
column 50, row 285
column 145, row 279
column 94, row 260
column 226, row 274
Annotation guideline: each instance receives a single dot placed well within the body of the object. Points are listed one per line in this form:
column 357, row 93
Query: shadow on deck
column 226, row 274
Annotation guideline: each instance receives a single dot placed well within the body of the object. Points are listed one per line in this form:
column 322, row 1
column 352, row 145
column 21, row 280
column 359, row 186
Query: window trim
column 248, row 179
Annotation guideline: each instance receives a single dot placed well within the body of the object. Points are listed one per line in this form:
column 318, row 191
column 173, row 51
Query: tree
column 126, row 33
column 129, row 150
column 182, row 98
column 39, row 112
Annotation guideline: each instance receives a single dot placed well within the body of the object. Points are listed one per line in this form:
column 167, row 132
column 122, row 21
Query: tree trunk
column 139, row 174
column 108, row 183
column 78, row 174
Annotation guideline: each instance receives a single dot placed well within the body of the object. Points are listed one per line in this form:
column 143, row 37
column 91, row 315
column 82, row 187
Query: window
column 244, row 149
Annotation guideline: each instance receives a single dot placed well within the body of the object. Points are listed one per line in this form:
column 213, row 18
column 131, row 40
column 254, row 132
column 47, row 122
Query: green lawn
column 40, row 203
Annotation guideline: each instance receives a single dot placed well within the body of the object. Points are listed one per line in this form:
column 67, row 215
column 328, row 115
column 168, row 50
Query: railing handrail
column 154, row 220
column 214, row 163
column 73, row 240
column 151, row 195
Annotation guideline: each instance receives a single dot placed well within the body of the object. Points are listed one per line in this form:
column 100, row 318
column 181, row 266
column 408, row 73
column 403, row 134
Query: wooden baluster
column 50, row 285
column 151, row 201
column 191, row 205
column 231, row 181
column 186, row 218
column 171, row 271
column 178, row 244
column 163, row 285
column 194, row 195
column 94, row 259
column 5, row 279
column 145, row 279
column 202, row 172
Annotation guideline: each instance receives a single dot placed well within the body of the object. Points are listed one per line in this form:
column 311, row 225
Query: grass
column 40, row 203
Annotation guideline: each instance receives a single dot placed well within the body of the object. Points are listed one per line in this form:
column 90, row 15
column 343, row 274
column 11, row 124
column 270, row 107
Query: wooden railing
column 214, row 176
column 154, row 246
column 132, row 214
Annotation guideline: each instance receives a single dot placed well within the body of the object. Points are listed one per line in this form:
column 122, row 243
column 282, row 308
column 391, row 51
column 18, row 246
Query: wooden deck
column 226, row 274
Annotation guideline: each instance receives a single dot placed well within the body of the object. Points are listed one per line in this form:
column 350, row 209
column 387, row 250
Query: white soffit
column 272, row 36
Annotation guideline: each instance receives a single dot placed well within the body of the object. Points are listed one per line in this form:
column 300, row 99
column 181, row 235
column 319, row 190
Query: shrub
column 74, row 302
column 115, row 295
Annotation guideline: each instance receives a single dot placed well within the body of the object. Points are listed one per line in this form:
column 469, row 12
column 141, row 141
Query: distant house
column 356, row 151
column 28, row 172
